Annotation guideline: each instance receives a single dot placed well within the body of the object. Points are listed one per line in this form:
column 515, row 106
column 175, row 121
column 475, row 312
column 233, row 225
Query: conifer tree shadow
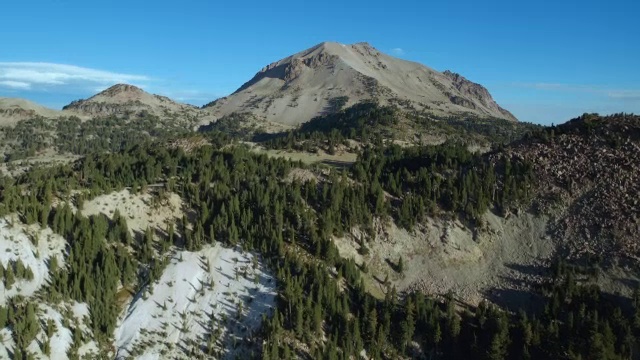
column 394, row 266
column 338, row 164
column 515, row 300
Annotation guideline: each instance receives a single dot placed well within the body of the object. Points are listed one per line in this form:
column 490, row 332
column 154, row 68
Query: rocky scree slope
column 588, row 177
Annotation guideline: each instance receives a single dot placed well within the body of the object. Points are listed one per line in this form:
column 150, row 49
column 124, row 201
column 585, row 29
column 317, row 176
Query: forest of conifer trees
column 240, row 198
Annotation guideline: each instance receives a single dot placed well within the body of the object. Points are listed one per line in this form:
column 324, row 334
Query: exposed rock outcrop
column 476, row 93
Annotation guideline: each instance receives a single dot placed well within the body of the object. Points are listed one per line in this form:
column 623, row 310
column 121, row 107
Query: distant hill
column 329, row 76
column 120, row 100
column 123, row 99
column 14, row 110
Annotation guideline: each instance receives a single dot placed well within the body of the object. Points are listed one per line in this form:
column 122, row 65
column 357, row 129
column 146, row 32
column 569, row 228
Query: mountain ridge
column 316, row 81
column 13, row 110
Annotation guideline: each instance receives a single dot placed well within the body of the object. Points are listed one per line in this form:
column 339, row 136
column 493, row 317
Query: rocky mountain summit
column 330, row 75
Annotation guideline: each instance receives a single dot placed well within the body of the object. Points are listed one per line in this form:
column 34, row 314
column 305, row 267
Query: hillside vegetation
column 370, row 122
column 73, row 136
column 323, row 308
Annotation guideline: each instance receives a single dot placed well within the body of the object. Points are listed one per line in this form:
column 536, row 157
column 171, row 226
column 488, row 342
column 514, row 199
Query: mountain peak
column 121, row 88
column 116, row 94
column 363, row 44
column 122, row 99
column 335, row 43
column 336, row 48
column 299, row 87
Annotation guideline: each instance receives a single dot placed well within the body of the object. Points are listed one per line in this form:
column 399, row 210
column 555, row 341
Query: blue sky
column 546, row 61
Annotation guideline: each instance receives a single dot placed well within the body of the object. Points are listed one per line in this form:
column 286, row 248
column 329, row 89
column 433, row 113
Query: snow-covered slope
column 195, row 304
column 17, row 243
column 61, row 339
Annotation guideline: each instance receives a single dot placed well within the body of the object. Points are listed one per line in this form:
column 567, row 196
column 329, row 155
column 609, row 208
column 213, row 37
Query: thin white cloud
column 190, row 96
column 17, row 85
column 624, row 94
column 71, row 79
column 560, row 87
column 397, row 51
column 40, row 75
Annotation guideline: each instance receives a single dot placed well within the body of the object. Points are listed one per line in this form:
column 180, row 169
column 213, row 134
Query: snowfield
column 16, row 243
column 209, row 301
column 62, row 339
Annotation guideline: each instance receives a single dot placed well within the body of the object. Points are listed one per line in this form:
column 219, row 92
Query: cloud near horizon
column 43, row 76
column 633, row 95
column 397, row 51
column 18, row 85
column 620, row 94
column 559, row 102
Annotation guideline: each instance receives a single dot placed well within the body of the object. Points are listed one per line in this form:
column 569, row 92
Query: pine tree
column 28, row 274
column 147, row 246
column 19, row 269
column 46, row 347
column 299, row 323
column 317, row 318
column 9, row 277
column 437, row 336
column 212, row 234
column 407, row 327
column 4, row 317
column 372, row 325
